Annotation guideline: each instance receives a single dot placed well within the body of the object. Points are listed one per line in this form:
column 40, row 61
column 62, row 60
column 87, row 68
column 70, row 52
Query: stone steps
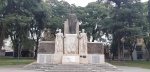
column 74, row 68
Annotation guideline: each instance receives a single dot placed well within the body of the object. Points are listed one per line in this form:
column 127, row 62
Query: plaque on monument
column 70, row 59
column 95, row 59
column 46, row 47
column 41, row 58
column 48, row 59
column 95, row 48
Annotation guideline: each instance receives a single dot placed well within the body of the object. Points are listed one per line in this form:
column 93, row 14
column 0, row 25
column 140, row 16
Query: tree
column 91, row 17
column 3, row 4
column 19, row 16
column 128, row 21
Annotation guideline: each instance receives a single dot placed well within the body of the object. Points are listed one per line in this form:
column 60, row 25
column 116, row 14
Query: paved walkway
column 15, row 69
column 19, row 69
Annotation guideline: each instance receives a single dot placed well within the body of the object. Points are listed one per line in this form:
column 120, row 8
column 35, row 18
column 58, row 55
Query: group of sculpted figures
column 74, row 42
column 82, row 39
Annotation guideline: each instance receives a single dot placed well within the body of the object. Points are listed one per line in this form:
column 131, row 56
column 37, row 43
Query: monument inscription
column 47, row 47
column 95, row 48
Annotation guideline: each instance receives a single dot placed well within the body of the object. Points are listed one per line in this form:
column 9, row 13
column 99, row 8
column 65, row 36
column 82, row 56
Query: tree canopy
column 23, row 20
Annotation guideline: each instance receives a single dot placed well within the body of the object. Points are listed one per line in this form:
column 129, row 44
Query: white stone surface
column 71, row 44
column 70, row 59
column 96, row 59
column 82, row 43
column 59, row 42
column 44, row 58
column 83, row 59
column 57, row 58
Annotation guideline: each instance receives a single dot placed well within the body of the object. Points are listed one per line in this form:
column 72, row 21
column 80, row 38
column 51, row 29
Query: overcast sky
column 85, row 2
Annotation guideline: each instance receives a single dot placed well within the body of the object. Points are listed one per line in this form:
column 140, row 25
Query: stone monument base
column 44, row 58
column 96, row 59
column 70, row 59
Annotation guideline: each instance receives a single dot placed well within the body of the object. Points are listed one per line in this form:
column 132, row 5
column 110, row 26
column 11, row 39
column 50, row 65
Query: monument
column 71, row 52
column 71, row 47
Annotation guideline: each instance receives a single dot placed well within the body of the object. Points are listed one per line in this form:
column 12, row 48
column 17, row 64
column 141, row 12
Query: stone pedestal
column 70, row 59
column 83, row 58
column 44, row 58
column 57, row 58
column 71, row 44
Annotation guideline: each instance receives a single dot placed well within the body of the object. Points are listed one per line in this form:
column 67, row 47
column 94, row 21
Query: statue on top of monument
column 72, row 23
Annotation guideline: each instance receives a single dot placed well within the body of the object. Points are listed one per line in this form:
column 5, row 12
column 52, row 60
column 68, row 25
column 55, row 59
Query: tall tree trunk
column 16, row 48
column 148, row 55
column 1, row 41
column 2, row 31
column 36, row 48
column 93, row 39
column 131, row 54
column 118, row 50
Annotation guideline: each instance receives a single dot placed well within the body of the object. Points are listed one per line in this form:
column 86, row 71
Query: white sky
column 85, row 2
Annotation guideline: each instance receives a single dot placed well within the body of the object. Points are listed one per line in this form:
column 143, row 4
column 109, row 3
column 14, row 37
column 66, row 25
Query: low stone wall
column 46, row 47
column 95, row 48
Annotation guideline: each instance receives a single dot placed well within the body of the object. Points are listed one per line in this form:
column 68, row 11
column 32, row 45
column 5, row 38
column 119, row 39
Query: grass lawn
column 13, row 61
column 142, row 64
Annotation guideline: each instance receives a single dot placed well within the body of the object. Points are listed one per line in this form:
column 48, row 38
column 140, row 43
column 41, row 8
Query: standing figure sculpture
column 83, row 42
column 59, row 42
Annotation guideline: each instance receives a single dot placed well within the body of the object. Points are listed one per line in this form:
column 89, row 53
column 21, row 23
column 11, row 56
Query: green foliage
column 91, row 17
column 120, row 18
